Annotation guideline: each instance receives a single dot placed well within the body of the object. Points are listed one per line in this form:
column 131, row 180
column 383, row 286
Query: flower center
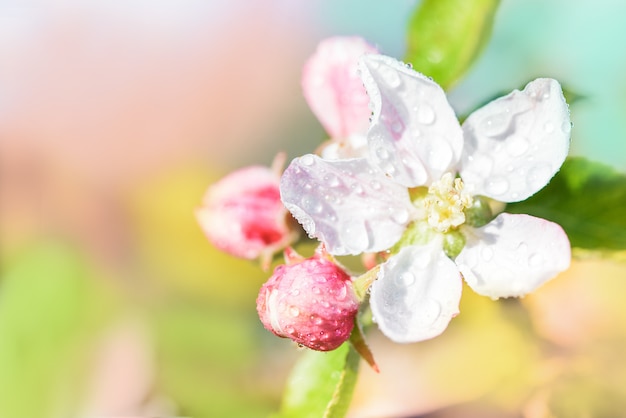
column 445, row 203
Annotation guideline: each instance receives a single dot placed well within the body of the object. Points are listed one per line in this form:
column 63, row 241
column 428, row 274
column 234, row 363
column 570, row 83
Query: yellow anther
column 446, row 202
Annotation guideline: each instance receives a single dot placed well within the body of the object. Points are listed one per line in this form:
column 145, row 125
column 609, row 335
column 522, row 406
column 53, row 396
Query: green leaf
column 321, row 384
column 49, row 307
column 445, row 36
column 587, row 199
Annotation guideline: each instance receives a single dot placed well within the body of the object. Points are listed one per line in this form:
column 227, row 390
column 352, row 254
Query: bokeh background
column 114, row 119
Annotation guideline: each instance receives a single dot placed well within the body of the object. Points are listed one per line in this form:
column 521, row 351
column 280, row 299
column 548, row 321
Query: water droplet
column 495, row 125
column 439, row 154
column 548, row 127
column 342, row 293
column 397, row 127
column 566, row 127
column 316, row 290
column 325, row 303
column 409, row 65
column 389, row 169
column 425, row 114
column 355, row 237
column 516, row 145
column 535, row 260
column 375, row 184
column 538, row 176
column 522, row 247
column 382, row 153
column 390, row 76
column 497, row 185
column 422, row 261
column 405, row 279
column 481, row 164
column 430, row 312
column 391, row 308
column 486, row 253
column 307, row 160
column 332, row 180
column 317, row 207
column 546, row 95
column 358, row 189
column 294, row 311
column 295, row 292
column 399, row 216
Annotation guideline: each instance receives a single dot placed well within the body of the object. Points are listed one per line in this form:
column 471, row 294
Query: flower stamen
column 445, row 203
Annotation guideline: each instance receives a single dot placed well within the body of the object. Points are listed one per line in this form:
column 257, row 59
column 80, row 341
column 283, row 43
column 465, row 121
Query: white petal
column 415, row 136
column 417, row 294
column 515, row 144
column 348, row 204
column 513, row 255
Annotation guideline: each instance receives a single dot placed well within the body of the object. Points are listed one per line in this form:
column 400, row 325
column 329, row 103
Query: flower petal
column 515, row 144
column 348, row 204
column 417, row 293
column 333, row 89
column 242, row 213
column 415, row 136
column 513, row 255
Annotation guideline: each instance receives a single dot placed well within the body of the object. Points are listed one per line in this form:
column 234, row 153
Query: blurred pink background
column 116, row 116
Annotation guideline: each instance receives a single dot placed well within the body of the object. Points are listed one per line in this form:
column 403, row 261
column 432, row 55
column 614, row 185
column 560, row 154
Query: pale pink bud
column 333, row 89
column 311, row 302
column 242, row 214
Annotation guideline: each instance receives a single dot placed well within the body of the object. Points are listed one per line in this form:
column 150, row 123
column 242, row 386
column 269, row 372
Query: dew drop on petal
column 522, row 247
column 486, row 253
column 423, row 260
column 405, row 279
column 566, row 127
column 293, row 311
column 389, row 169
column 538, row 176
column 391, row 76
column 397, row 127
column 431, row 310
column 382, row 153
column 535, row 260
column 440, row 155
column 516, row 145
column 341, row 293
column 425, row 114
column 548, row 127
column 495, row 125
column 375, row 184
column 400, row 216
column 307, row 160
column 332, row 180
column 497, row 185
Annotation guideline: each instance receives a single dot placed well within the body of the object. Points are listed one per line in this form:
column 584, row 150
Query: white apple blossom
column 423, row 193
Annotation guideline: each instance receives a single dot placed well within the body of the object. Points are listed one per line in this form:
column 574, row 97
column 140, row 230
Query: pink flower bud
column 242, row 214
column 312, row 302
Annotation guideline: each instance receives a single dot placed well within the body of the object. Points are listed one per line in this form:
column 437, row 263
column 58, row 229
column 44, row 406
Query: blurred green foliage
column 50, row 305
column 587, row 199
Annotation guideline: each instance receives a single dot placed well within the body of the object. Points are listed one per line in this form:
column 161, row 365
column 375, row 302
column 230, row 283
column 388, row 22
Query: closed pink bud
column 242, row 214
column 311, row 302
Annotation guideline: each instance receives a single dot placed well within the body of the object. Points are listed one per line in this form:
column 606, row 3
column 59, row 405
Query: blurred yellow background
column 114, row 119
